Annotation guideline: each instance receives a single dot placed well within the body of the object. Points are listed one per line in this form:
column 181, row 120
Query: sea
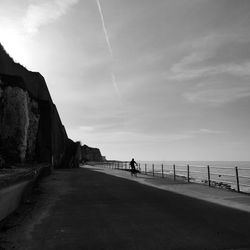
column 222, row 173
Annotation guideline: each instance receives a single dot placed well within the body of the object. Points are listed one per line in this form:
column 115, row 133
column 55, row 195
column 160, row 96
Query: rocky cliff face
column 90, row 154
column 30, row 127
column 19, row 120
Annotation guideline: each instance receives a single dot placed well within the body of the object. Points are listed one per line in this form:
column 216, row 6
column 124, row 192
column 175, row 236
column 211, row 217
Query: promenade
column 91, row 208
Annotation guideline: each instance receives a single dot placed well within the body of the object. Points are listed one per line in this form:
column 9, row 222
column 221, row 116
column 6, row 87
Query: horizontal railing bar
column 197, row 172
column 243, row 176
column 193, row 166
column 180, row 166
column 213, row 167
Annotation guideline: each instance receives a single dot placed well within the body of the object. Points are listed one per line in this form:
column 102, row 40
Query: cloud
column 191, row 134
column 208, row 131
column 87, row 129
column 45, row 12
column 217, row 97
column 212, row 55
column 181, row 71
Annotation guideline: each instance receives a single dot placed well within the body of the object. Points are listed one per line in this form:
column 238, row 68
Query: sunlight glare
column 15, row 45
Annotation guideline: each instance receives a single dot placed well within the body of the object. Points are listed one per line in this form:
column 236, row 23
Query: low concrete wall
column 12, row 194
column 10, row 198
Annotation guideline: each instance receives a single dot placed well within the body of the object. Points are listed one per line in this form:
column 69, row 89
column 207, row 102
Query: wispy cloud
column 45, row 12
column 217, row 97
column 204, row 58
column 208, row 131
column 87, row 129
column 185, row 135
column 182, row 72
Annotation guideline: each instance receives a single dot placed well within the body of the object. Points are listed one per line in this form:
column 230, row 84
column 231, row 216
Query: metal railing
column 226, row 177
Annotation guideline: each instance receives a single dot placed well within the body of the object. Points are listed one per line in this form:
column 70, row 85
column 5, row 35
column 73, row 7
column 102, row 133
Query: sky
column 149, row 79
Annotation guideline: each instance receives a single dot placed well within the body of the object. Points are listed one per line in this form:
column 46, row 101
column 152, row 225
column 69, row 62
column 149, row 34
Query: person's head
column 132, row 159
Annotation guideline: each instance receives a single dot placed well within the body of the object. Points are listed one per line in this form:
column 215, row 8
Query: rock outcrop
column 30, row 127
column 90, row 154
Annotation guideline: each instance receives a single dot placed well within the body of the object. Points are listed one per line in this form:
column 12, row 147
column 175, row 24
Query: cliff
column 30, row 126
column 91, row 154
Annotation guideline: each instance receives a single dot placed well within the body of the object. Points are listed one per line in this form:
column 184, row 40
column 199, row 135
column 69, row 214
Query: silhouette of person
column 132, row 165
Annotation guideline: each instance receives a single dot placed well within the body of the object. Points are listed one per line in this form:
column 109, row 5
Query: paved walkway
column 87, row 209
column 200, row 191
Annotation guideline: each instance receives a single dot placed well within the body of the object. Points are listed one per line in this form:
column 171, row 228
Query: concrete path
column 86, row 209
column 200, row 191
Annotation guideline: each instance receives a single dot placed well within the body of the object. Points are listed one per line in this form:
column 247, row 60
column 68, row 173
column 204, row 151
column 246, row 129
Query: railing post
column 237, row 179
column 188, row 172
column 145, row 169
column 208, row 176
column 153, row 169
column 162, row 173
column 174, row 171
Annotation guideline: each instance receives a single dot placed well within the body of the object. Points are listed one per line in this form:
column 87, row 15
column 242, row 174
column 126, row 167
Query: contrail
column 104, row 28
column 109, row 46
column 115, row 84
